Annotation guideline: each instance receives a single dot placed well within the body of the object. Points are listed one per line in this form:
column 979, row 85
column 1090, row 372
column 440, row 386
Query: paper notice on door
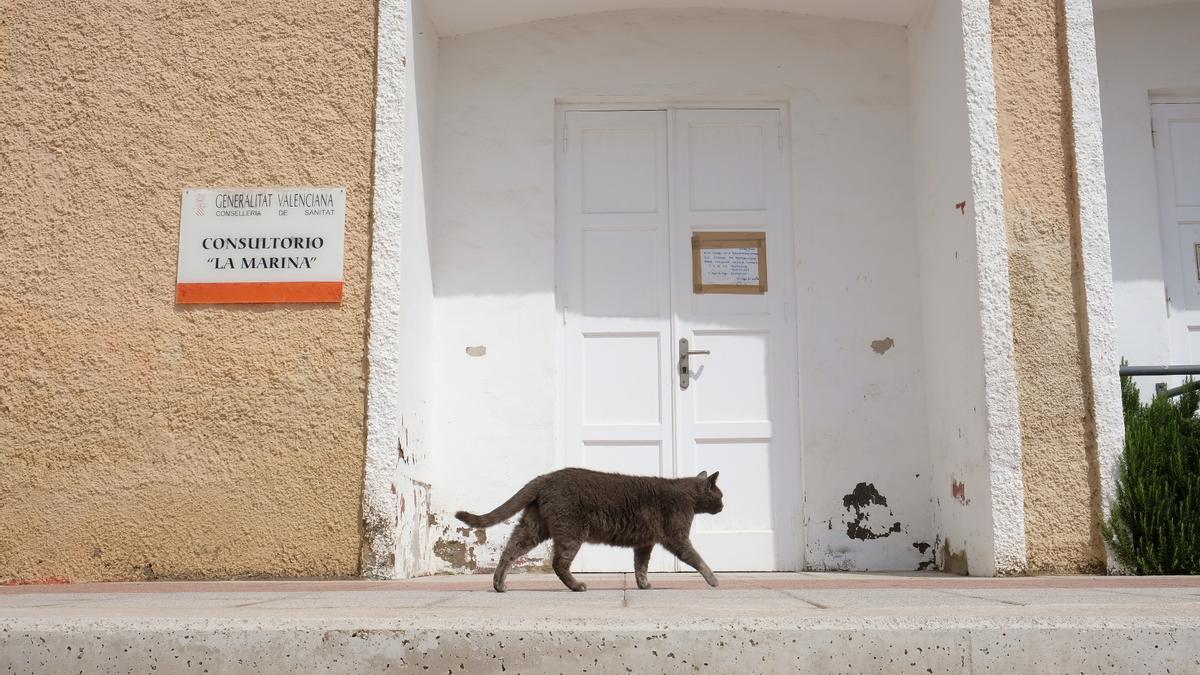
column 729, row 266
column 729, row 262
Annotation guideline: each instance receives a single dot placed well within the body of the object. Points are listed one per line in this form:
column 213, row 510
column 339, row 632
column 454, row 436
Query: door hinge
column 564, row 139
column 779, row 135
column 1153, row 134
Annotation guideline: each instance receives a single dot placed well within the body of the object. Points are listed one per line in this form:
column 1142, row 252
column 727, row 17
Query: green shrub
column 1154, row 524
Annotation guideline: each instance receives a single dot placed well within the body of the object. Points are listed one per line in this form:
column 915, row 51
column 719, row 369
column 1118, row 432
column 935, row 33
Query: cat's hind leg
column 529, row 532
column 683, row 549
column 641, row 563
column 565, row 549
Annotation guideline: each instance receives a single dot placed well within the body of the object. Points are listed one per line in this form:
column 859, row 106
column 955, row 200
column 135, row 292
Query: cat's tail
column 506, row 510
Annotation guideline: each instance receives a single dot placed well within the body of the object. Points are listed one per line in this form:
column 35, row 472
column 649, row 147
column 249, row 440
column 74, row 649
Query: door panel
column 618, row 267
column 1184, row 131
column 620, row 383
column 735, row 377
column 728, row 164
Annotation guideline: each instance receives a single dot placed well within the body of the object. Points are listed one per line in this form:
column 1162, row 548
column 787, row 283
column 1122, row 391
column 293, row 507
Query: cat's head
column 708, row 496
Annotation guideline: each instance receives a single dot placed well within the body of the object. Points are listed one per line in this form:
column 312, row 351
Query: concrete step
column 753, row 623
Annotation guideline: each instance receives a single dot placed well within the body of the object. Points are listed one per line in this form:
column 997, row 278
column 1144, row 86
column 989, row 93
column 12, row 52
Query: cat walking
column 578, row 506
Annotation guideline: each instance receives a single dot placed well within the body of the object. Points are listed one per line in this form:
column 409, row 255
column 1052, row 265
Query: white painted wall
column 950, row 298
column 966, row 344
column 415, row 327
column 396, row 486
column 454, row 17
column 863, row 414
column 1140, row 51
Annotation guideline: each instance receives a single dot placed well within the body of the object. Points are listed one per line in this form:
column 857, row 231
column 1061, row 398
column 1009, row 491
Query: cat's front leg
column 641, row 563
column 684, row 550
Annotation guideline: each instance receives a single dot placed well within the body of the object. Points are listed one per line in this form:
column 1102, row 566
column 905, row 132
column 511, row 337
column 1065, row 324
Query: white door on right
column 738, row 413
column 1177, row 154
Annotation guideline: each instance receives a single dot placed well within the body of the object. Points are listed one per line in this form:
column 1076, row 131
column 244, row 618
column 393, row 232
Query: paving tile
column 898, row 598
column 1173, row 595
column 518, row 599
column 8, row 602
column 357, row 600
column 218, row 600
column 716, row 599
column 1046, row 597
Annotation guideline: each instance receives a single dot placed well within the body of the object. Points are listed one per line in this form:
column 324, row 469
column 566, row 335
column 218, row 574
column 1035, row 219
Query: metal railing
column 1160, row 388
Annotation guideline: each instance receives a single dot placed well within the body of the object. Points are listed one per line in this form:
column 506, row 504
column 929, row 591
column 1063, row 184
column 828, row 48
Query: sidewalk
column 810, row 622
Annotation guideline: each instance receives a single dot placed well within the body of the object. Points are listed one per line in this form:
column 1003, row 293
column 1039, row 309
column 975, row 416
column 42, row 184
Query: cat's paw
column 712, row 581
column 579, row 588
column 500, row 587
column 644, row 585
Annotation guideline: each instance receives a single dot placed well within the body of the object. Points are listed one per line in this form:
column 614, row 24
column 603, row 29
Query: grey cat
column 577, row 506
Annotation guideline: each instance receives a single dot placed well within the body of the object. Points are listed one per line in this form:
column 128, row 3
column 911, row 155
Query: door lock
column 685, row 370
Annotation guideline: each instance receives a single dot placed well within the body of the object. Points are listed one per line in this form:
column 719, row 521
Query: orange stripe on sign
column 259, row 292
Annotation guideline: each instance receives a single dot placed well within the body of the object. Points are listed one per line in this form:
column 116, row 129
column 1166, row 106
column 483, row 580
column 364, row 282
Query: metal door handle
column 685, row 362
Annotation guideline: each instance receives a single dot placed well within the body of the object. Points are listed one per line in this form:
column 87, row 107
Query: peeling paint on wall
column 469, row 550
column 882, row 346
column 924, row 547
column 413, row 530
column 864, row 496
column 959, row 491
column 952, row 561
column 457, row 553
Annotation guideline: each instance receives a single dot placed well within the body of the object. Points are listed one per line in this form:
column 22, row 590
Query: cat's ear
column 702, row 474
column 713, row 478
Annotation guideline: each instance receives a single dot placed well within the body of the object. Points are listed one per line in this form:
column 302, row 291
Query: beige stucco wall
column 1062, row 497
column 138, row 438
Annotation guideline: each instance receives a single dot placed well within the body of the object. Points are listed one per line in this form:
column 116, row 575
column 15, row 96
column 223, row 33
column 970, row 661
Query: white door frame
column 669, row 105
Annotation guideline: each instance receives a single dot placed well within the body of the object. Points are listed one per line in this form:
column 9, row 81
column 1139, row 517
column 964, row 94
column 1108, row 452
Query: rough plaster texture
column 1049, row 303
column 1142, row 53
column 385, row 382
column 137, row 438
column 1095, row 246
column 971, row 393
column 862, row 413
column 1007, row 488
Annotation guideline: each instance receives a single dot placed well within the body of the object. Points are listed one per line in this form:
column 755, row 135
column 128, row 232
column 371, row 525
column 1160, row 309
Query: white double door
column 634, row 186
column 1177, row 151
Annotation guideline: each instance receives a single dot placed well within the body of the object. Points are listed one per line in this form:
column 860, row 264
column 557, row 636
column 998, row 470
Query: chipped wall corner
column 414, row 548
column 951, row 560
column 459, row 549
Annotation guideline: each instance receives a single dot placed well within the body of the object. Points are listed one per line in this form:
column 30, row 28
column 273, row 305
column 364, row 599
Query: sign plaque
column 261, row 245
column 729, row 262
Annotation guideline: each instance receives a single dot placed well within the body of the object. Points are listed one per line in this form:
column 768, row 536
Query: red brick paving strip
column 607, row 582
